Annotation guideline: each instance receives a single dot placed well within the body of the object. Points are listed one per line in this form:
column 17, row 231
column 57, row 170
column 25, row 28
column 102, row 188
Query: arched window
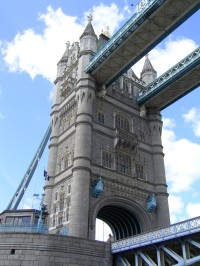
column 122, row 122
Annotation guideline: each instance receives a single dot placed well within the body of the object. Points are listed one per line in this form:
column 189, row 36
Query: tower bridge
column 106, row 155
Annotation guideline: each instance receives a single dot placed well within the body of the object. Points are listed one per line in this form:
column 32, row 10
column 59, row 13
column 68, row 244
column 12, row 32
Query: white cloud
column 106, row 16
column 176, row 206
column 172, row 52
column 38, row 54
column 192, row 117
column 181, row 161
column 193, row 209
column 169, row 123
column 167, row 55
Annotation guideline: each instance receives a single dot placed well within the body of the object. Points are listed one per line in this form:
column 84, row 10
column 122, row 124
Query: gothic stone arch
column 122, row 205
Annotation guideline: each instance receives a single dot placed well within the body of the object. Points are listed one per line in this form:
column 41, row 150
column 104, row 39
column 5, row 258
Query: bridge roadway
column 149, row 25
column 173, row 84
column 178, row 244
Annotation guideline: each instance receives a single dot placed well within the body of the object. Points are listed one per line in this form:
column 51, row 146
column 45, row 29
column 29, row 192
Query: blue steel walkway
column 178, row 244
column 152, row 21
column 173, row 84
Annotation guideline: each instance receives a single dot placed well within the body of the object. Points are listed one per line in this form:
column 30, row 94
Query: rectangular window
column 56, row 196
column 18, row 220
column 9, row 220
column 54, row 220
column 68, row 202
column 61, row 202
column 139, row 171
column 107, row 159
column 67, row 215
column 69, row 189
column 54, row 209
column 60, row 220
column 123, row 163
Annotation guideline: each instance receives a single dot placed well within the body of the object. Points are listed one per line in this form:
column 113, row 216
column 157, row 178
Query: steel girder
column 178, row 244
column 178, row 252
column 173, row 84
column 138, row 36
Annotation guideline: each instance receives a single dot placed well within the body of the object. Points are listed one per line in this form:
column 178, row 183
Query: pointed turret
column 148, row 73
column 63, row 61
column 89, row 31
column 88, row 47
column 88, row 40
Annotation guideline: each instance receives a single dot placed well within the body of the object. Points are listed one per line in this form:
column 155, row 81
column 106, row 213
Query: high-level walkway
column 173, row 84
column 178, row 244
column 152, row 21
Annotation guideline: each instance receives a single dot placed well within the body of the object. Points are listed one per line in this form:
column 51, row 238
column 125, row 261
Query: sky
column 32, row 40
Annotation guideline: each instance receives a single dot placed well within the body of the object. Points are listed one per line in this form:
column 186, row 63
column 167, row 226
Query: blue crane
column 14, row 203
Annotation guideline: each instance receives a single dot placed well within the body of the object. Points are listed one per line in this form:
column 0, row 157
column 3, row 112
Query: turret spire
column 147, row 65
column 89, row 28
column 148, row 73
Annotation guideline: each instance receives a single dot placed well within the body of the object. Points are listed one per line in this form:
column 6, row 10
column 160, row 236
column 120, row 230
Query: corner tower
column 105, row 158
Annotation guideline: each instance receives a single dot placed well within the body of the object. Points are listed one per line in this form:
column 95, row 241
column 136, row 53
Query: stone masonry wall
column 25, row 249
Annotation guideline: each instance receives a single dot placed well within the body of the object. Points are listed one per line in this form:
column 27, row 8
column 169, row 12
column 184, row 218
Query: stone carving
column 68, row 115
column 102, row 91
column 125, row 140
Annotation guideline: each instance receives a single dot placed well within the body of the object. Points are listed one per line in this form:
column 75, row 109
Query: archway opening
column 121, row 221
column 102, row 231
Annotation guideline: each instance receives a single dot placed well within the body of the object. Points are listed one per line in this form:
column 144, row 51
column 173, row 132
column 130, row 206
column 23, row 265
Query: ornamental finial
column 90, row 17
column 67, row 44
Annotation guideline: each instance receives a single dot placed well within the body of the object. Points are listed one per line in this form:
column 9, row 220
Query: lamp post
column 43, row 207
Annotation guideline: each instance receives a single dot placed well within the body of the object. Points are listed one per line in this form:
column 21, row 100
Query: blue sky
column 32, row 40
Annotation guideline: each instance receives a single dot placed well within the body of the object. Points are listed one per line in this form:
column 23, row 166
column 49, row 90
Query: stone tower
column 105, row 154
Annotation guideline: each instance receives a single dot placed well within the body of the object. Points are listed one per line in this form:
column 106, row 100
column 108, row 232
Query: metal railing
column 176, row 230
column 24, row 228
column 191, row 59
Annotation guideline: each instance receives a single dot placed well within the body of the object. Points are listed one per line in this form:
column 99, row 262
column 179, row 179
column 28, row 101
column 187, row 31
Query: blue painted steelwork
column 151, row 203
column 24, row 228
column 14, row 203
column 97, row 188
column 127, row 31
column 122, row 261
column 184, row 228
column 63, row 231
column 43, row 208
column 186, row 64
column 130, row 26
